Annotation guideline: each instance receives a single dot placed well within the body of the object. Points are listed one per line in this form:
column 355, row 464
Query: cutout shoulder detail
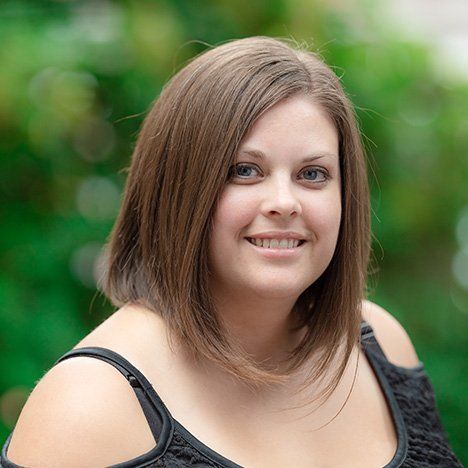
column 153, row 409
column 369, row 342
column 156, row 413
column 393, row 339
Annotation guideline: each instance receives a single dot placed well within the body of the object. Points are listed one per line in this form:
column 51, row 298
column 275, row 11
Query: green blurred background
column 76, row 79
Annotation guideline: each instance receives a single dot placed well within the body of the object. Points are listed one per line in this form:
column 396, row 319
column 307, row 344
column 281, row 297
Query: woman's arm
column 82, row 413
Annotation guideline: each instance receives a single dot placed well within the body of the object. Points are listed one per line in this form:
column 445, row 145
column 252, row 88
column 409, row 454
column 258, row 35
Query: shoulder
column 82, row 412
column 392, row 337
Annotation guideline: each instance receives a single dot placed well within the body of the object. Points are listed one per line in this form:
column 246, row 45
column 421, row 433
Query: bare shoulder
column 392, row 337
column 82, row 412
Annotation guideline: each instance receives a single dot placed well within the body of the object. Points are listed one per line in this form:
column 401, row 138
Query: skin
column 254, row 295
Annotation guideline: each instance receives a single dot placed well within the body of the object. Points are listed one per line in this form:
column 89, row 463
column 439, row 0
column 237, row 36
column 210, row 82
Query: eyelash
column 317, row 169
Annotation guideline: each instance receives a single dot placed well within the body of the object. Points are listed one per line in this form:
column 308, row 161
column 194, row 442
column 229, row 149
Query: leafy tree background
column 76, row 80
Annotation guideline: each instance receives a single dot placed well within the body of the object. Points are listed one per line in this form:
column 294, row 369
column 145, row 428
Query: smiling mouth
column 250, row 240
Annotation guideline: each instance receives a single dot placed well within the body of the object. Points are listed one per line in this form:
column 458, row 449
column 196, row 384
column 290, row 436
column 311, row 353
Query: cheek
column 324, row 217
column 234, row 213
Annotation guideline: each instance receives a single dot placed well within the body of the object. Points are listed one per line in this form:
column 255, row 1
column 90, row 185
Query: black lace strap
column 369, row 341
column 154, row 409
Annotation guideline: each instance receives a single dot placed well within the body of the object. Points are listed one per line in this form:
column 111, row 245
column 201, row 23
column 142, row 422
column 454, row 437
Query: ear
column 392, row 337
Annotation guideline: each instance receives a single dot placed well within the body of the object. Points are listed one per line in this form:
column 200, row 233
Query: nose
column 280, row 200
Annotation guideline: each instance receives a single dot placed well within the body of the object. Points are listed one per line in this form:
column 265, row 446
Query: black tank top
column 422, row 441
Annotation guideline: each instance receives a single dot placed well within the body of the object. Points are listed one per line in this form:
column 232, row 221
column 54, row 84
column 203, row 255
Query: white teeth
column 275, row 243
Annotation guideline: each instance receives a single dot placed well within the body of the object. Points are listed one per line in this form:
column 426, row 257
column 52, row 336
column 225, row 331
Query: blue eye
column 241, row 170
column 316, row 170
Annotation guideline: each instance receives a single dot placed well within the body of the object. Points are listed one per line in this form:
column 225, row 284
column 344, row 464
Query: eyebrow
column 257, row 154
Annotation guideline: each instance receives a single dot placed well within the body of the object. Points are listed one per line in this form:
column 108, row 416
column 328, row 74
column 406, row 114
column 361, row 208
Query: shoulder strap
column 369, row 341
column 155, row 411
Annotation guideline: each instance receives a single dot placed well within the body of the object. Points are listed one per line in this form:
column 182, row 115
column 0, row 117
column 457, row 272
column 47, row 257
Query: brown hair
column 158, row 250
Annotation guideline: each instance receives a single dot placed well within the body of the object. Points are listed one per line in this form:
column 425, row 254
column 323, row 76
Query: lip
column 278, row 235
column 278, row 253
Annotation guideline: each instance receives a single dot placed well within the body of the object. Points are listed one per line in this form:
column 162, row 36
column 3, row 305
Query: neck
column 262, row 326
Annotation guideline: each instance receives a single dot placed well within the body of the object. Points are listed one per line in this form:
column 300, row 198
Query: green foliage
column 76, row 81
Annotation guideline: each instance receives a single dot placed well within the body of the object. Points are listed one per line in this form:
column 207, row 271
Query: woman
column 238, row 265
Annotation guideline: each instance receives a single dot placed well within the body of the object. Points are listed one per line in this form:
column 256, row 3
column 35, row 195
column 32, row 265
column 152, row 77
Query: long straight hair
column 158, row 250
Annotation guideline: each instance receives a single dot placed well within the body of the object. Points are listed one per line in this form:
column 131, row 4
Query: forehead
column 296, row 125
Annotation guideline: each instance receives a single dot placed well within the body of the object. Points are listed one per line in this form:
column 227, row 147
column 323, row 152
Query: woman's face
column 286, row 179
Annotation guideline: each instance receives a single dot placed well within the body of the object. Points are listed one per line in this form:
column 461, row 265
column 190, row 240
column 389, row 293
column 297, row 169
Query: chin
column 277, row 295
column 273, row 290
